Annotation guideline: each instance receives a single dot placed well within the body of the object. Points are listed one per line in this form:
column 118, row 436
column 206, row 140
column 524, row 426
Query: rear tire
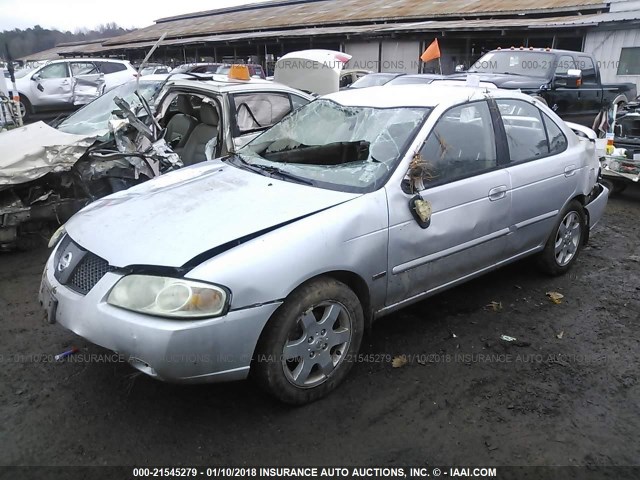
column 566, row 240
column 308, row 346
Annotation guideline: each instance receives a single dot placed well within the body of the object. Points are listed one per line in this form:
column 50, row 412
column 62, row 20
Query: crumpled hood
column 171, row 219
column 32, row 151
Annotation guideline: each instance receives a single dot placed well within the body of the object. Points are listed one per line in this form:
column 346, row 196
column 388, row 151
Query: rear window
column 112, row 67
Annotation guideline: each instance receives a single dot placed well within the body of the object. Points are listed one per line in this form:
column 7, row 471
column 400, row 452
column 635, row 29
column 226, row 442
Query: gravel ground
column 565, row 393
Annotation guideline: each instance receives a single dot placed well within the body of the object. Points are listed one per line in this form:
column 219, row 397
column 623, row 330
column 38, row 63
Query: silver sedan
column 275, row 259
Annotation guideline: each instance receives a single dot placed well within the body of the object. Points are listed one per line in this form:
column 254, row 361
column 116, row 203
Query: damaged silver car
column 130, row 134
column 274, row 260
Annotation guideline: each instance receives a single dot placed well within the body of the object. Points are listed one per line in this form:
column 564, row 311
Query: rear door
column 88, row 81
column 542, row 173
column 459, row 176
column 51, row 86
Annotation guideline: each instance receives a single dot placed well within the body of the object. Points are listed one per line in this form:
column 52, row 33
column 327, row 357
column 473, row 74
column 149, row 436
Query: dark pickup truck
column 569, row 82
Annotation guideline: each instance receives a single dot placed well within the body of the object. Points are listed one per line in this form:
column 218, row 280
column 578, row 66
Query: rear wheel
column 307, row 348
column 564, row 244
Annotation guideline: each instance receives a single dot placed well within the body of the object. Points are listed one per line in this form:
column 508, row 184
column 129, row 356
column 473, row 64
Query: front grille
column 88, row 272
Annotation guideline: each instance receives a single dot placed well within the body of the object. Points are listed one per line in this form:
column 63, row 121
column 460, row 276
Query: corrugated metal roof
column 373, row 29
column 598, row 19
column 331, row 12
column 65, row 48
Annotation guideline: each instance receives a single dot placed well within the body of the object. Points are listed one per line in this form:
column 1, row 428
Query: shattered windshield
column 335, row 146
column 94, row 117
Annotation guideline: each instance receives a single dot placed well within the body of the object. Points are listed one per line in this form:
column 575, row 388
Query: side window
column 557, row 140
column 112, row 67
column 298, row 101
column 82, row 68
column 565, row 63
column 588, row 70
column 461, row 144
column 55, row 70
column 525, row 131
column 260, row 110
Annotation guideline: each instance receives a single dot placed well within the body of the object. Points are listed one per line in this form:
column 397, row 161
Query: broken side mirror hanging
column 421, row 210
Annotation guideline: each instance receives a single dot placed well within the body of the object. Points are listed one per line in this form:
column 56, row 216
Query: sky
column 73, row 14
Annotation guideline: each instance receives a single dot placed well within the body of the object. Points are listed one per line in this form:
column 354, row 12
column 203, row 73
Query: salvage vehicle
column 154, row 69
column 70, row 83
column 314, row 71
column 569, row 82
column 348, row 77
column 123, row 138
column 273, row 260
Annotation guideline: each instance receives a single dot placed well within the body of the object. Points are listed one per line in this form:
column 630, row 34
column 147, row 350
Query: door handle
column 496, row 193
column 569, row 170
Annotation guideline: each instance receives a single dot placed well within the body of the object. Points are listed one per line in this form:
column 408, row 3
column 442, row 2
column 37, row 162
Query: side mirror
column 35, row 78
column 572, row 79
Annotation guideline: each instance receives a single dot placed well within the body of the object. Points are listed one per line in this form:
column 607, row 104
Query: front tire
column 25, row 108
column 565, row 243
column 307, row 348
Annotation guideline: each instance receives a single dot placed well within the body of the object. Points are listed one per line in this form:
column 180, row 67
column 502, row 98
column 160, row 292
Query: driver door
column 52, row 86
column 459, row 174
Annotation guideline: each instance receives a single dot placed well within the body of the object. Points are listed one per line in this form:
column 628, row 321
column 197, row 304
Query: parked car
column 375, row 80
column 47, row 174
column 347, row 77
column 569, row 82
column 275, row 259
column 69, row 83
column 154, row 69
column 197, row 68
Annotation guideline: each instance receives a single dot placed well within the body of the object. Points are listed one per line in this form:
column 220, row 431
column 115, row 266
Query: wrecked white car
column 68, row 83
column 123, row 138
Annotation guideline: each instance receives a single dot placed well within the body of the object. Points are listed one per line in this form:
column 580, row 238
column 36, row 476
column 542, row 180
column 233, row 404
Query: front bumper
column 194, row 351
column 597, row 206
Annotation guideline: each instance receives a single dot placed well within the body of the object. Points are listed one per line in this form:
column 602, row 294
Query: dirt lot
column 566, row 394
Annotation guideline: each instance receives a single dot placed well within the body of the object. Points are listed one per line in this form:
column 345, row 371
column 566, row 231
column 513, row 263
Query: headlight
column 57, row 235
column 168, row 297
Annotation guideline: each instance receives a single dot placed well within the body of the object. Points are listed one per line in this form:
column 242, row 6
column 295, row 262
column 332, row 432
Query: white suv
column 66, row 84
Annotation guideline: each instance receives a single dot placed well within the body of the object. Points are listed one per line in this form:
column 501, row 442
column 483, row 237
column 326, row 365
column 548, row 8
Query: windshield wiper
column 273, row 172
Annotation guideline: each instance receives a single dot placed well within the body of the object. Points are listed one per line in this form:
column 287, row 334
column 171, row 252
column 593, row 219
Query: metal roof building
column 382, row 35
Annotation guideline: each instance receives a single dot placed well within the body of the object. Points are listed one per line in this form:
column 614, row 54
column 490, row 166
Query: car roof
column 538, row 50
column 416, row 95
column 90, row 59
column 220, row 84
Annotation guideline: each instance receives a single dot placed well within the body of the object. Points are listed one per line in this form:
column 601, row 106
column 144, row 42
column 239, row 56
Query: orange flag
column 432, row 52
